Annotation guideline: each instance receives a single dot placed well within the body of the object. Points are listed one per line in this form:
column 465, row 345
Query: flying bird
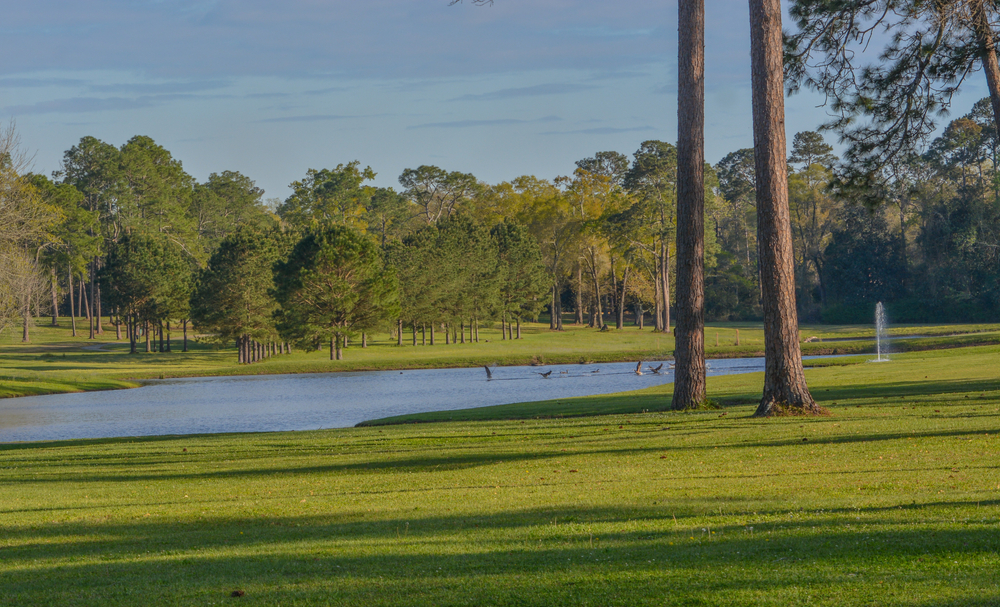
column 657, row 369
column 545, row 375
column 489, row 374
column 596, row 371
column 638, row 368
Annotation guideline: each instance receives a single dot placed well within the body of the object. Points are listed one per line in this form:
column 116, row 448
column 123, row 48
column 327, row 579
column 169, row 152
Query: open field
column 57, row 362
column 892, row 500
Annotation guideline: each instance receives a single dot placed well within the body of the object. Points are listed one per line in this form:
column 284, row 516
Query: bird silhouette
column 545, row 375
column 596, row 371
column 638, row 368
column 655, row 370
column 489, row 374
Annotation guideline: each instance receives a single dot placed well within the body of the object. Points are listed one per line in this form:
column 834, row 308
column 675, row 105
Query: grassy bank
column 892, row 500
column 55, row 361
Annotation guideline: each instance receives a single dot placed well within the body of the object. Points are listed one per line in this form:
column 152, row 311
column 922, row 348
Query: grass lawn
column 57, row 362
column 894, row 499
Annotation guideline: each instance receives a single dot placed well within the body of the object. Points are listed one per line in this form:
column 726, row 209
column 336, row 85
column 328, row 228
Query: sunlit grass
column 892, row 500
column 57, row 362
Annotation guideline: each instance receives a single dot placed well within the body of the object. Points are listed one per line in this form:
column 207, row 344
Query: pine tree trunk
column 784, row 380
column 657, row 300
column 432, row 334
column 98, row 311
column 364, row 336
column 447, row 335
column 598, row 312
column 414, row 334
column 340, row 350
column 578, row 320
column 54, row 283
column 72, row 308
column 131, row 334
column 552, row 310
column 145, row 332
column 519, row 328
column 168, row 336
column 399, row 331
column 503, row 326
column 334, row 346
column 185, row 322
column 665, row 277
column 689, row 352
column 620, row 320
column 85, row 306
column 462, row 327
column 118, row 326
column 987, row 44
column 160, row 330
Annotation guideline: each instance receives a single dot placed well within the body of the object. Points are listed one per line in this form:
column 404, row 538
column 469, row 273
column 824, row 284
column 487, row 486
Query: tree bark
column 131, row 333
column 598, row 312
column 72, row 309
column 785, row 387
column 145, row 332
column 364, row 336
column 92, row 303
column 665, row 277
column 620, row 321
column 185, row 335
column 462, row 326
column 334, row 346
column 118, row 326
column 168, row 336
column 414, row 333
column 399, row 332
column 689, row 352
column 985, row 38
column 98, row 311
column 54, row 283
column 578, row 320
column 519, row 328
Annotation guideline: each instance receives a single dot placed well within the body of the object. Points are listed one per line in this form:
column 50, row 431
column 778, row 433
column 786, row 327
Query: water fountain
column 881, row 336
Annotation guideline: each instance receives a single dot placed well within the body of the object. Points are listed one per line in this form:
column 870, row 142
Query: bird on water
column 638, row 368
column 545, row 375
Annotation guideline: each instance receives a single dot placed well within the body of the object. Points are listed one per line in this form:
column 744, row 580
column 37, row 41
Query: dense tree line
column 125, row 236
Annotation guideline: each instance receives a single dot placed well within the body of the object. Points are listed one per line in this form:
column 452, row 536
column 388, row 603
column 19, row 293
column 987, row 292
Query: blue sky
column 272, row 89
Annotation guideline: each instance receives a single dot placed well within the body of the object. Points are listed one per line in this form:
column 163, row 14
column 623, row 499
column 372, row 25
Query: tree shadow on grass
column 627, row 556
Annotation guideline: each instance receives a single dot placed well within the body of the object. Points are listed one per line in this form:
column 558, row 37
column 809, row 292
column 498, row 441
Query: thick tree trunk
column 72, row 308
column 689, row 352
column 784, row 381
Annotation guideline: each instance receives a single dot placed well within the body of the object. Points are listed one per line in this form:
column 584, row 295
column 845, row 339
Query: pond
column 267, row 403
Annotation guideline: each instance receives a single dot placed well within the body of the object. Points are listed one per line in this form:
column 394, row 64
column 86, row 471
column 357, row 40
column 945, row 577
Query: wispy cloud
column 160, row 88
column 13, row 83
column 80, row 105
column 309, row 118
column 601, row 131
column 461, row 124
column 528, row 91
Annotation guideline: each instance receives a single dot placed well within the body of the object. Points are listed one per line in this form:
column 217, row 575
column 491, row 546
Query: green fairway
column 55, row 361
column 891, row 500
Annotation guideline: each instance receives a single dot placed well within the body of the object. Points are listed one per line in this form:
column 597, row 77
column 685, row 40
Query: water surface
column 267, row 403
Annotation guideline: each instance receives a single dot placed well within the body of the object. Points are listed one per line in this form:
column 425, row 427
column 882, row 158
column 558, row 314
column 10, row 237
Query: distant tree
column 335, row 195
column 523, row 282
column 233, row 298
column 334, row 284
column 223, row 204
column 437, row 193
column 612, row 165
column 147, row 277
column 652, row 181
column 387, row 214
